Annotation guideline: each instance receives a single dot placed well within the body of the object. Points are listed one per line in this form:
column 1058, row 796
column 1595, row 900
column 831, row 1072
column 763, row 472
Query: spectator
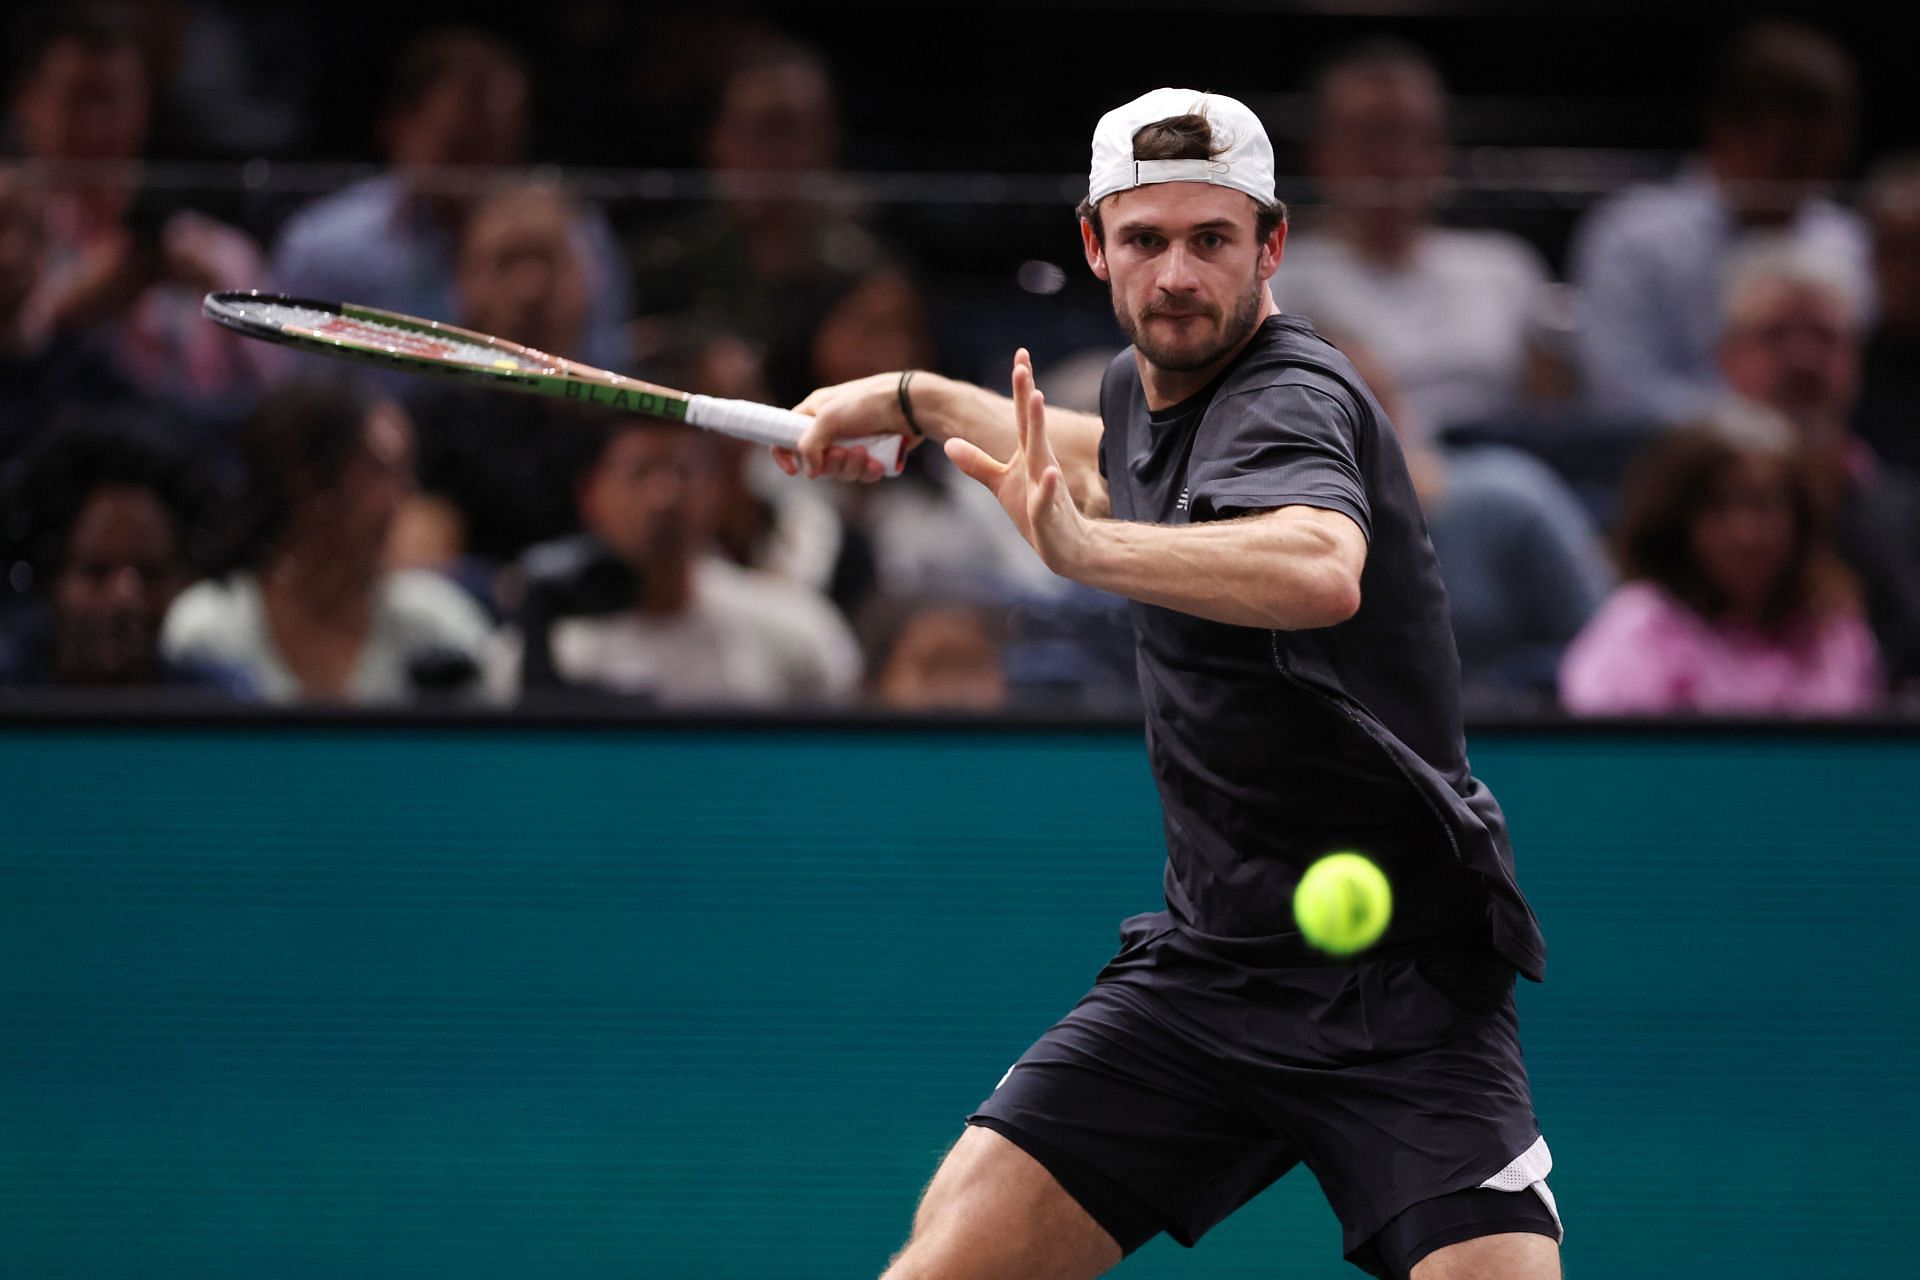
column 82, row 95
column 760, row 517
column 42, row 369
column 1790, row 338
column 698, row 630
column 778, row 228
column 932, row 529
column 1649, row 262
column 497, row 469
column 315, row 615
column 501, row 468
column 1888, row 414
column 238, row 80
column 761, row 520
column 1734, row 604
column 1791, row 341
column 934, row 655
column 457, row 109
column 106, row 516
column 1521, row 559
column 123, row 260
column 1451, row 313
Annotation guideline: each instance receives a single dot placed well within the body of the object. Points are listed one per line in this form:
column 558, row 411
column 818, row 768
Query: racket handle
column 783, row 427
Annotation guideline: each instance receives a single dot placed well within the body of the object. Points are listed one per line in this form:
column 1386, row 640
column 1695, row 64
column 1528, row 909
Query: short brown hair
column 1778, row 68
column 1374, row 56
column 433, row 56
column 1674, row 482
column 96, row 29
column 1188, row 137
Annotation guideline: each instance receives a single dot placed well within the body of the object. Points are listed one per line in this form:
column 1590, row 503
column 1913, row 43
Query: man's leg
column 1515, row 1255
column 991, row 1211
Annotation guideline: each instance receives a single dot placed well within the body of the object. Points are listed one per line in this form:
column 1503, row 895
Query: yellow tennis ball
column 1343, row 903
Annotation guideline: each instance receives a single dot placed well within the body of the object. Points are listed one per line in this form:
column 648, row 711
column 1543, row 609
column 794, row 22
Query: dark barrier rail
column 677, row 1001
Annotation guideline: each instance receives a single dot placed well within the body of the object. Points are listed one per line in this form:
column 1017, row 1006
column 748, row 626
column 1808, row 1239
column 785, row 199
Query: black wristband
column 906, row 405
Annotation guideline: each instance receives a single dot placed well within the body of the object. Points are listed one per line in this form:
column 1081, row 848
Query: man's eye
column 1146, row 241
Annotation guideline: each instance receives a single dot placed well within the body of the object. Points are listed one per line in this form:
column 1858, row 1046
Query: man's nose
column 1177, row 271
column 127, row 587
column 529, row 282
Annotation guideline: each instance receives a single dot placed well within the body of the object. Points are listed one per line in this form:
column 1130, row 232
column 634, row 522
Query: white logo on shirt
column 1182, row 504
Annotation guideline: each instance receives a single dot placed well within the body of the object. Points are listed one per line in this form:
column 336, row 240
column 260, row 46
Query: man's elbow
column 1328, row 559
column 1328, row 601
column 1343, row 597
column 1338, row 598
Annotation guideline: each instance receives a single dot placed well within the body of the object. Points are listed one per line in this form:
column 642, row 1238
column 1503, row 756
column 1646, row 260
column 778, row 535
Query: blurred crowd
column 1683, row 480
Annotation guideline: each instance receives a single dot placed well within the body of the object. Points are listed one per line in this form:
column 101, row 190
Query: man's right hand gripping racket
column 408, row 343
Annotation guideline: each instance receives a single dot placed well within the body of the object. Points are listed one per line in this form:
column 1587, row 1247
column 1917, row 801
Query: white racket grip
column 783, row 427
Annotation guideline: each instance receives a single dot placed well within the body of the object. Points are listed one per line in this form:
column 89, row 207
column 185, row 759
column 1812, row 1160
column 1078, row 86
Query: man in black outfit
column 1244, row 489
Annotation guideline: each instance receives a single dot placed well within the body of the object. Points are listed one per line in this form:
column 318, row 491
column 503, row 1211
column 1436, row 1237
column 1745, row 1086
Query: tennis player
column 1243, row 487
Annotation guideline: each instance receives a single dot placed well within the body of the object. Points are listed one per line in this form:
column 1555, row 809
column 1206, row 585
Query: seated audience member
column 498, row 469
column 1520, row 557
column 1887, row 416
column 932, row 529
column 238, row 81
column 692, row 628
column 314, row 614
column 761, row 518
column 121, row 260
column 1791, row 341
column 104, row 555
column 1452, row 313
column 1648, row 262
column 43, row 370
column 458, row 101
column 934, row 655
column 760, row 521
column 1734, row 602
column 775, row 232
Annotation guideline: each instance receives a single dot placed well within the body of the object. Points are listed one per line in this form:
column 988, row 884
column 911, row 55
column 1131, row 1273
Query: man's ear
column 1095, row 251
column 1272, row 250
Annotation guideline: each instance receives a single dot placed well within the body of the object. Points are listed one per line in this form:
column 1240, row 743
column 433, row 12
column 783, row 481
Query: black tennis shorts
column 1195, row 1074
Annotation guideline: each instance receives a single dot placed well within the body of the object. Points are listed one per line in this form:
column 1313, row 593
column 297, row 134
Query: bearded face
column 1188, row 334
column 1187, row 268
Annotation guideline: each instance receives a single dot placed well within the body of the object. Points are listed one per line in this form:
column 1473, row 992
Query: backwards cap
column 1244, row 160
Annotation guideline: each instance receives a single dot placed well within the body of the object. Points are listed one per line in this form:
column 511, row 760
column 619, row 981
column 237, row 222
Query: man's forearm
column 947, row 409
column 1276, row 570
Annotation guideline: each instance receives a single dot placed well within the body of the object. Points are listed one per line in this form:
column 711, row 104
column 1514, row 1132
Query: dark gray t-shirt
column 1272, row 748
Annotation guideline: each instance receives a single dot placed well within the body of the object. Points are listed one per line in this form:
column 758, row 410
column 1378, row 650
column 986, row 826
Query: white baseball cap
column 1245, row 161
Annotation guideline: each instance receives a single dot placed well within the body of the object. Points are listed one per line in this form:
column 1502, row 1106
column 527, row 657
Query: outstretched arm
column 1288, row 569
column 945, row 409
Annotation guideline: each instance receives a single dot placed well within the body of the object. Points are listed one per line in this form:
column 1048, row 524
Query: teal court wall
column 386, row 1001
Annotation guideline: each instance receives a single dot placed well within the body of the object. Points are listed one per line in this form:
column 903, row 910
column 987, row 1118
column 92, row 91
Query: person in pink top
column 1732, row 602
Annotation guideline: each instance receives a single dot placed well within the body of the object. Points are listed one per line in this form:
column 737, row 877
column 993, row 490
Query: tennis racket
column 405, row 342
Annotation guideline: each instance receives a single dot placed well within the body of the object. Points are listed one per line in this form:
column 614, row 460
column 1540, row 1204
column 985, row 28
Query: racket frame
column 554, row 376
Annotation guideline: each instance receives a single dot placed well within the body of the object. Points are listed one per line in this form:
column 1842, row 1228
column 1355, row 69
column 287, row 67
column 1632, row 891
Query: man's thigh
column 1514, row 1256
column 993, row 1210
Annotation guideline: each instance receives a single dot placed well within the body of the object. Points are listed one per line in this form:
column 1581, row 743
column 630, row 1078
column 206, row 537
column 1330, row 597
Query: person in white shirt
column 701, row 631
column 1651, row 263
column 459, row 102
column 315, row 615
column 1452, row 313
